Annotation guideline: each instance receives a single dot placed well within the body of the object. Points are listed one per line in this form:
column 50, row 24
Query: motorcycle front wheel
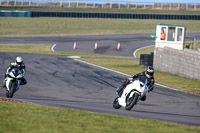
column 131, row 101
column 12, row 90
column 116, row 103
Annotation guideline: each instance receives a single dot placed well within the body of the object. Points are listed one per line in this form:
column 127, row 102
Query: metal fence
column 114, row 15
column 101, row 4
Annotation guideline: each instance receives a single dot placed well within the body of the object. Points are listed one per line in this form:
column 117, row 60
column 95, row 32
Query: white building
column 174, row 36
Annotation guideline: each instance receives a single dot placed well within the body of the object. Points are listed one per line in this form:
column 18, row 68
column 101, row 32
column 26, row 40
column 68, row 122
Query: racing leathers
column 150, row 83
column 21, row 67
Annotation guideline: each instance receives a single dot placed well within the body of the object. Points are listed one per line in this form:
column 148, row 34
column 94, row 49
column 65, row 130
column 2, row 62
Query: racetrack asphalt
column 67, row 83
column 107, row 44
column 63, row 82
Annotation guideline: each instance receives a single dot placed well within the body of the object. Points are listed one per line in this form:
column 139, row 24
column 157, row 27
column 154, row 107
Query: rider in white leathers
column 148, row 73
column 17, row 64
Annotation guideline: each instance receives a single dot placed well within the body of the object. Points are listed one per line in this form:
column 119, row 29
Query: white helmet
column 19, row 60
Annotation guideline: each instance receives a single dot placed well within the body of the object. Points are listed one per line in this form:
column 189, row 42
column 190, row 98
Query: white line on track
column 52, row 48
column 134, row 53
column 121, row 73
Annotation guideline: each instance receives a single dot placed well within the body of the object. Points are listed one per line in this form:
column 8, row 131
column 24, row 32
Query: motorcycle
column 131, row 94
column 13, row 82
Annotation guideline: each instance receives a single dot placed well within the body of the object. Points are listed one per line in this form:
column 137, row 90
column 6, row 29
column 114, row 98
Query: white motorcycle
column 131, row 94
column 13, row 82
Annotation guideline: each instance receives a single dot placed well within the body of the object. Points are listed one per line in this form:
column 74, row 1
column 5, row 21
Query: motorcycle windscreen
column 143, row 79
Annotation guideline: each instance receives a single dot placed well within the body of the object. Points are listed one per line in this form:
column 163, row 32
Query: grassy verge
column 74, row 26
column 23, row 118
column 107, row 10
column 119, row 64
column 147, row 50
column 46, row 49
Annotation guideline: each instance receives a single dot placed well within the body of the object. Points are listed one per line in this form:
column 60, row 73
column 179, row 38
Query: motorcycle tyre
column 12, row 90
column 7, row 93
column 133, row 102
column 116, row 104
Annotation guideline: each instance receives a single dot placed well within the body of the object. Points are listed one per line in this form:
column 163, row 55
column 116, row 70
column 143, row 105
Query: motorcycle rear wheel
column 116, row 103
column 132, row 101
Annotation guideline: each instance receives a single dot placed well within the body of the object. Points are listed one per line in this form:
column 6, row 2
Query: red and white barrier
column 118, row 46
column 95, row 46
column 74, row 47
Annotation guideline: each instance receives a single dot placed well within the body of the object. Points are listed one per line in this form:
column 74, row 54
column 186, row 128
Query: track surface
column 63, row 82
column 107, row 44
column 53, row 81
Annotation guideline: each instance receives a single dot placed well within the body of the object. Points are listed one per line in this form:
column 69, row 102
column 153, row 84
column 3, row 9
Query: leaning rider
column 148, row 73
column 17, row 64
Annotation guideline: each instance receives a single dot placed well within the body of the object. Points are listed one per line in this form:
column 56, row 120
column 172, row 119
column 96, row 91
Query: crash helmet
column 19, row 60
column 149, row 71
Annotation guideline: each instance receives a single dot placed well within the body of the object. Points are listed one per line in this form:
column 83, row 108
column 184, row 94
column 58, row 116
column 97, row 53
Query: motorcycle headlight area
column 19, row 76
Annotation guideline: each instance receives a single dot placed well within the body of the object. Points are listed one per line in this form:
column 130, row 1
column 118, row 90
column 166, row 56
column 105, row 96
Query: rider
column 17, row 64
column 148, row 73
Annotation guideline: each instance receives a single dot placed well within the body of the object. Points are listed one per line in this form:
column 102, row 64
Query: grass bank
column 122, row 64
column 22, row 118
column 75, row 26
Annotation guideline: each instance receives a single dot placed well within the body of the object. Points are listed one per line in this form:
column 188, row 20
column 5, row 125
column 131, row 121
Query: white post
column 153, row 6
column 85, row 3
column 195, row 6
column 194, row 44
column 170, row 6
column 94, row 4
column 136, row 5
column 22, row 3
column 128, row 5
column 144, row 5
column 69, row 5
column 7, row 2
column 111, row 4
column 77, row 4
column 29, row 3
column 61, row 3
column 15, row 3
column 119, row 4
column 161, row 5
column 102, row 3
column 178, row 6
column 187, row 6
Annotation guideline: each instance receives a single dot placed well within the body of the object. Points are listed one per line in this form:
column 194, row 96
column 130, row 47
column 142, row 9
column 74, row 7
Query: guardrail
column 114, row 15
column 15, row 13
column 102, row 4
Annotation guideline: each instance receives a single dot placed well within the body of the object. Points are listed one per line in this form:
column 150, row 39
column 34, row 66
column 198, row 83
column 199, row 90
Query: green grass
column 73, row 26
column 46, row 49
column 113, row 10
column 27, row 118
column 147, row 50
column 122, row 64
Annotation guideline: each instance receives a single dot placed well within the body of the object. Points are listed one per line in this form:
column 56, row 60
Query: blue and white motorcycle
column 131, row 94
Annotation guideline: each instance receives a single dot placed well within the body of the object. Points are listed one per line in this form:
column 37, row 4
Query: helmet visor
column 150, row 73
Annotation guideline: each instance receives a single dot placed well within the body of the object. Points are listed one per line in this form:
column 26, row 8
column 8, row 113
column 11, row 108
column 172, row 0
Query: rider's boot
column 143, row 98
column 120, row 89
